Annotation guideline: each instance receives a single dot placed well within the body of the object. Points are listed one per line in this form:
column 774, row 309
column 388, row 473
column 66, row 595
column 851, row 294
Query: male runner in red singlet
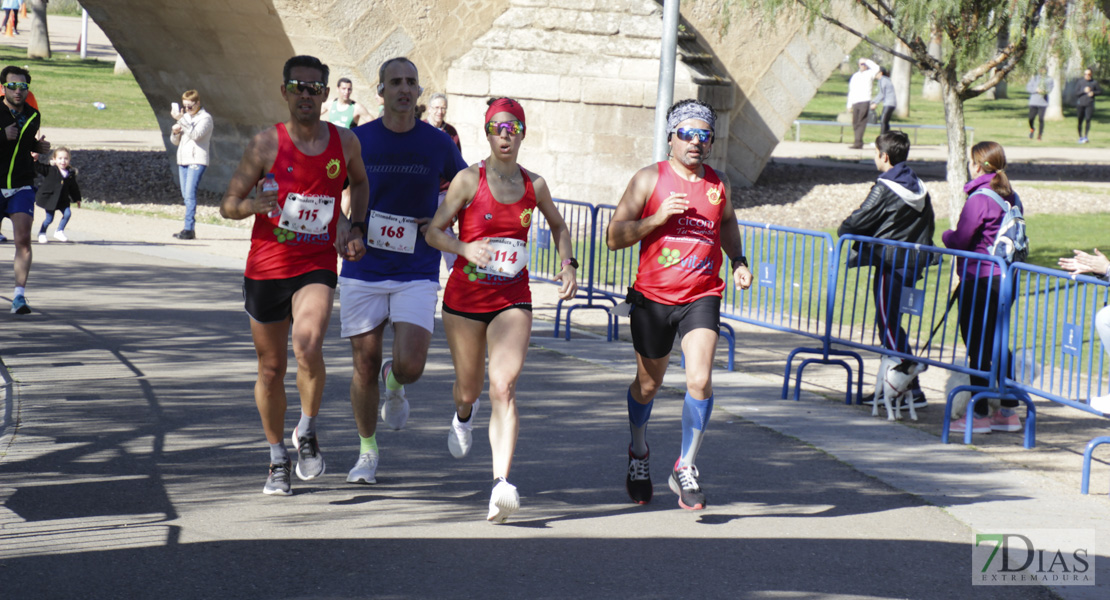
column 680, row 213
column 291, row 269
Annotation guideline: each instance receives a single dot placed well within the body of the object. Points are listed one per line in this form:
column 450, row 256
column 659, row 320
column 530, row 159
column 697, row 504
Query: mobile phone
column 175, row 108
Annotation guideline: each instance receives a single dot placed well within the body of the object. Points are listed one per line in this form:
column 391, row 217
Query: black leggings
column 978, row 317
column 884, row 121
column 1036, row 112
column 1085, row 113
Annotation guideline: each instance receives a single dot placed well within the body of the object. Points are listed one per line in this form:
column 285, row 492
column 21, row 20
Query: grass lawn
column 66, row 89
column 1004, row 121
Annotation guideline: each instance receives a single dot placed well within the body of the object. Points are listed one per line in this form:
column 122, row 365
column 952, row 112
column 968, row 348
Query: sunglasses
column 687, row 134
column 514, row 127
column 314, row 88
column 18, row 85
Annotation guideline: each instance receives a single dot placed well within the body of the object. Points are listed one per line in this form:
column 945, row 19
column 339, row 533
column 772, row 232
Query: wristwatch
column 739, row 261
column 571, row 261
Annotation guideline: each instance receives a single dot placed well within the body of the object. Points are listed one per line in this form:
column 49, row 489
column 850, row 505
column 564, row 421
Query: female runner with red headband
column 487, row 304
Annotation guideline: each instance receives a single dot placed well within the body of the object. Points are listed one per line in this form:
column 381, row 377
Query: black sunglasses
column 314, row 88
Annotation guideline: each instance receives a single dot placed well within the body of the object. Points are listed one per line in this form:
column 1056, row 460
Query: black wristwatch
column 360, row 226
column 739, row 261
column 571, row 261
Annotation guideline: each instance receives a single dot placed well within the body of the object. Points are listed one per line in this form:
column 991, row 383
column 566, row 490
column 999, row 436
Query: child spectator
column 57, row 192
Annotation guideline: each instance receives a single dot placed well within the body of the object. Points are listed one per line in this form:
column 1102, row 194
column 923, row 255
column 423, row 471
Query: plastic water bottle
column 269, row 185
column 99, row 105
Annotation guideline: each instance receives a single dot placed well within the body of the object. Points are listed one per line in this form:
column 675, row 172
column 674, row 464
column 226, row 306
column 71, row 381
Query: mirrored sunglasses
column 687, row 134
column 18, row 85
column 514, row 127
column 314, row 88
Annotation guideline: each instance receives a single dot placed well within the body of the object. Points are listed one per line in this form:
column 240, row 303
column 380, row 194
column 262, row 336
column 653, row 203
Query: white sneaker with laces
column 42, row 238
column 503, row 501
column 395, row 407
column 60, row 236
column 461, row 437
column 365, row 470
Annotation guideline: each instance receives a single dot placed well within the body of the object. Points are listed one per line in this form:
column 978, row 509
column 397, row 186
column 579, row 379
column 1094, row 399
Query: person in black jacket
column 1085, row 92
column 898, row 208
column 58, row 190
column 20, row 125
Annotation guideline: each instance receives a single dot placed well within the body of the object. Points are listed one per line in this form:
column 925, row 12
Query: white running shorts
column 364, row 305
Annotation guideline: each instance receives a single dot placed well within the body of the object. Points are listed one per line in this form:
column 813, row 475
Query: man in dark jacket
column 897, row 208
column 20, row 125
column 1085, row 92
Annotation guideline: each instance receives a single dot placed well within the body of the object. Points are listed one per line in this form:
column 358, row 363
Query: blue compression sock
column 695, row 417
column 638, row 415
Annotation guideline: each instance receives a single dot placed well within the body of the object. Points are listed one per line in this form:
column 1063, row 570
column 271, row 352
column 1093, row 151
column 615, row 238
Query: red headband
column 506, row 105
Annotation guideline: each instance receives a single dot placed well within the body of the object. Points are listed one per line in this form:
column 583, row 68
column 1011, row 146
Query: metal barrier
column 1058, row 354
column 616, row 269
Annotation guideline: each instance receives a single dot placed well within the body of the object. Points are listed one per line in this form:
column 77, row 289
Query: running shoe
column 978, row 425
column 461, row 437
column 1006, row 420
column 277, row 484
column 503, row 501
column 638, row 480
column 1030, row 134
column 42, row 238
column 395, row 409
column 3, row 238
column 20, row 306
column 60, row 236
column 310, row 463
column 365, row 470
column 684, row 482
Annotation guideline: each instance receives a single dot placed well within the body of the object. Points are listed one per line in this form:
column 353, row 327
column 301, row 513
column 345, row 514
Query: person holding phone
column 192, row 134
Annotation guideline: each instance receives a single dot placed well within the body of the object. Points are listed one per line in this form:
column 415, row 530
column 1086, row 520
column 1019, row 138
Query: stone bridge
column 585, row 71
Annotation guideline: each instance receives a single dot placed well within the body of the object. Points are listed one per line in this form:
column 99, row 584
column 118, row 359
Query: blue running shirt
column 404, row 170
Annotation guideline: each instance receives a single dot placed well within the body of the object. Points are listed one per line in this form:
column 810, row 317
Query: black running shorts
column 654, row 325
column 271, row 300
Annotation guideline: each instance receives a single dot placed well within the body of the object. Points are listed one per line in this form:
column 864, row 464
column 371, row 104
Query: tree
column 39, row 44
column 971, row 28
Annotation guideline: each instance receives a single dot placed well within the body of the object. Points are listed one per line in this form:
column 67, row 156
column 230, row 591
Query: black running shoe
column 638, row 480
column 684, row 482
column 278, row 481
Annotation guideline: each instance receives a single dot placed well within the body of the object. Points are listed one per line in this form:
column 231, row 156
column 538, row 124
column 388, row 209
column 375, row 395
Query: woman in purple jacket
column 981, row 281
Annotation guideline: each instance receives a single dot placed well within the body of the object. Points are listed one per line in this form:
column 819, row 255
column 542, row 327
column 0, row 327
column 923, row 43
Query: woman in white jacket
column 191, row 134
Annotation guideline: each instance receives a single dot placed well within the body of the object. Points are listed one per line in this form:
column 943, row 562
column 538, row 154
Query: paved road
column 134, row 462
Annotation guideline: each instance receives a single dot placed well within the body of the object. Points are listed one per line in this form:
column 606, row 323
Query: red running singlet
column 300, row 239
column 473, row 292
column 681, row 261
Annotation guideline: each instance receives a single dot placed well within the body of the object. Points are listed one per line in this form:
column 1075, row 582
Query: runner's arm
column 627, row 227
column 733, row 245
column 568, row 274
column 462, row 190
column 348, row 241
column 362, row 116
column 257, row 159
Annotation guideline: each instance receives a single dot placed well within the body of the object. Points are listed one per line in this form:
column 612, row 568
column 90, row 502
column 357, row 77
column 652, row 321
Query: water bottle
column 99, row 105
column 269, row 185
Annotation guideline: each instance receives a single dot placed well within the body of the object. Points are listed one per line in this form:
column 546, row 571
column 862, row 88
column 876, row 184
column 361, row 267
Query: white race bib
column 307, row 214
column 510, row 256
column 391, row 232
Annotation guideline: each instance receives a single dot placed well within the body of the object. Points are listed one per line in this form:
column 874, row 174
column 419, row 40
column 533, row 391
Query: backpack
column 1011, row 243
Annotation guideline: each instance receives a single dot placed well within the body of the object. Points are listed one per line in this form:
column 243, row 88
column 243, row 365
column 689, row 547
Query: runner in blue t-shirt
column 398, row 279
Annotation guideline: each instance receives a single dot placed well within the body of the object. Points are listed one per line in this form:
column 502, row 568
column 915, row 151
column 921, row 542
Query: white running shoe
column 365, row 469
column 395, row 408
column 42, row 238
column 60, row 236
column 504, row 501
column 461, row 437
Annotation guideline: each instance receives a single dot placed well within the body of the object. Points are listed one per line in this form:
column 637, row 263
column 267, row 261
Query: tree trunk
column 900, row 76
column 39, row 44
column 1055, row 110
column 1000, row 91
column 931, row 91
column 956, row 172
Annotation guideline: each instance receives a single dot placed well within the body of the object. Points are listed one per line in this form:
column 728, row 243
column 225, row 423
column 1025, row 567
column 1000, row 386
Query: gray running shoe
column 365, row 470
column 277, row 484
column 503, row 501
column 395, row 408
column 310, row 463
column 684, row 482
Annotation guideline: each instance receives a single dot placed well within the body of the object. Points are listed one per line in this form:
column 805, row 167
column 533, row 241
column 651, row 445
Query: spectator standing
column 58, row 191
column 1039, row 87
column 191, row 134
column 859, row 98
column 887, row 98
column 1099, row 266
column 344, row 111
column 1085, row 94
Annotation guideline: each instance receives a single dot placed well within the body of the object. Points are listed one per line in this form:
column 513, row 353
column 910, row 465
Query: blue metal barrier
column 616, row 269
column 1058, row 354
column 544, row 263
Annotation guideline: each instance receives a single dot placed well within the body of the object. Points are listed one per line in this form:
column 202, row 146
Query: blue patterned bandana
column 690, row 111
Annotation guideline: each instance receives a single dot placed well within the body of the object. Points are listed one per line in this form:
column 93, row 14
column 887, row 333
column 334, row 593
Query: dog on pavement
column 895, row 377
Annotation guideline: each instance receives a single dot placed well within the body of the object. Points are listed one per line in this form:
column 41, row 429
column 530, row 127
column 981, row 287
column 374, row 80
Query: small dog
column 895, row 377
